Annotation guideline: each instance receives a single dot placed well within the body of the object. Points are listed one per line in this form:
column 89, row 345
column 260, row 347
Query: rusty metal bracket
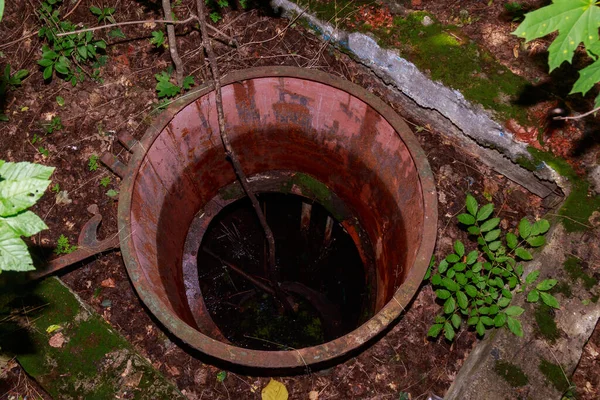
column 114, row 164
column 88, row 245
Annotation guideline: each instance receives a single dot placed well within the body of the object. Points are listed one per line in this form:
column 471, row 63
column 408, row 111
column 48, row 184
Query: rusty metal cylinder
column 278, row 119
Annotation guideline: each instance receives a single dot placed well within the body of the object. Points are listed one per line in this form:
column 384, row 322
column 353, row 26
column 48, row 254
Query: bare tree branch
column 166, row 4
column 578, row 116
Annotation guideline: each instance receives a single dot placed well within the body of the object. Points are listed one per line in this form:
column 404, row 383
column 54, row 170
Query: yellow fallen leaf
column 274, row 391
column 53, row 328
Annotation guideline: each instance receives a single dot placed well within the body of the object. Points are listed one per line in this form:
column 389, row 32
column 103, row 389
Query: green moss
column 511, row 373
column 573, row 267
column 231, row 192
column 84, row 366
column 545, row 325
column 442, row 52
column 563, row 288
column 580, row 205
column 555, row 375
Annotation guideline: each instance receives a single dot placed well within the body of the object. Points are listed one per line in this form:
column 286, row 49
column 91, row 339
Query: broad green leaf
column 459, row 248
column 435, row 330
column 466, row 219
column 221, row 375
column 495, row 246
column 439, row 319
column 24, row 170
column 16, row 196
column 449, row 306
column 452, row 258
column 450, row 284
column 503, row 302
column 473, row 230
column 576, row 21
column 487, row 321
column 436, row 280
column 462, row 300
column 532, row 277
column 549, row 300
column 442, row 294
column 490, row 224
column 540, row 227
column 448, row 331
column 443, row 266
column 458, row 267
column 480, row 328
column 275, row 390
column 47, row 74
column 24, row 224
column 471, row 205
column 484, row 212
column 492, row 235
column 1, row 9
column 472, row 321
column 533, row 296
column 536, row 241
column 471, row 290
column 455, row 321
column 494, row 310
column 477, row 267
column 514, row 311
column 546, row 285
column 523, row 254
column 14, row 255
column 524, row 228
column 514, row 325
column 588, row 77
column 511, row 240
column 472, row 257
column 499, row 320
column 188, row 82
column 506, row 294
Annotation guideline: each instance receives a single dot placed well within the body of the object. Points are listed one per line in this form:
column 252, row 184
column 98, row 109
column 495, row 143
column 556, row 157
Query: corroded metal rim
column 310, row 355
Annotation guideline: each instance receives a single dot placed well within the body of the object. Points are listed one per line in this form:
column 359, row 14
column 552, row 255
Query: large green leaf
column 16, row 196
column 1, row 9
column 24, row 170
column 575, row 20
column 14, row 255
column 24, row 224
column 587, row 78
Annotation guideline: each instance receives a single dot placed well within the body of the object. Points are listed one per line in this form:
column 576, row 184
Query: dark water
column 252, row 318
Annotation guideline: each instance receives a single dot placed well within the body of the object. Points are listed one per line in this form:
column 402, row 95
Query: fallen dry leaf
column 57, row 340
column 313, row 395
column 108, row 283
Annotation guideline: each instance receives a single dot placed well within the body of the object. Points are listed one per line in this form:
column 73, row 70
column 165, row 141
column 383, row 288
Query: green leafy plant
column 54, row 125
column 1, row 9
column 112, row 193
column 167, row 89
column 515, row 10
column 104, row 14
column 63, row 246
column 8, row 81
column 577, row 22
column 104, row 182
column 55, row 188
column 477, row 285
column 44, row 151
column 65, row 55
column 21, row 186
column 93, row 162
column 117, row 33
column 60, row 101
column 158, row 39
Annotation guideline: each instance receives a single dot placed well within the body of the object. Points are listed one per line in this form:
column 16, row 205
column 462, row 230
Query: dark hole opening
column 325, row 279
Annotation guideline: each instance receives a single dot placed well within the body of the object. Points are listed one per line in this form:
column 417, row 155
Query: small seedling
column 35, row 139
column 104, row 14
column 63, row 246
column 43, row 151
column 93, row 162
column 105, row 181
column 55, row 188
column 60, row 101
column 112, row 193
column 167, row 89
column 54, row 125
column 158, row 39
column 215, row 17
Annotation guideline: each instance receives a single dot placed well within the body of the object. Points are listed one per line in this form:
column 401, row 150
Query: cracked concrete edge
column 468, row 123
column 575, row 320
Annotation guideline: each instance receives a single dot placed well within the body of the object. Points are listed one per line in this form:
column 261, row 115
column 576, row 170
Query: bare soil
column 404, row 360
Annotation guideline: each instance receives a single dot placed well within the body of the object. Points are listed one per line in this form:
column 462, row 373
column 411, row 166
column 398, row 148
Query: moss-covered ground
column 440, row 50
column 90, row 359
column 511, row 373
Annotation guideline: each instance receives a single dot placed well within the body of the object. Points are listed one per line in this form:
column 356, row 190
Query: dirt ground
column 93, row 112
